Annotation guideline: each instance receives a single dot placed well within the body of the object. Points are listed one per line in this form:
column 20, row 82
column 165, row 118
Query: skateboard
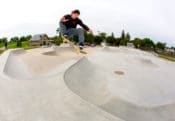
column 76, row 48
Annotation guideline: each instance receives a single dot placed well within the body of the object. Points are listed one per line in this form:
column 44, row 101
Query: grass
column 12, row 45
column 167, row 57
column 25, row 45
column 1, row 51
column 1, row 45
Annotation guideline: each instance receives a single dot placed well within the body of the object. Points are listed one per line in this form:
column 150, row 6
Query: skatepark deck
column 52, row 84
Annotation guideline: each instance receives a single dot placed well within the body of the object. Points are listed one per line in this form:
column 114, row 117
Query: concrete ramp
column 41, row 99
column 20, row 64
column 61, row 51
column 16, row 67
column 82, row 79
column 142, row 93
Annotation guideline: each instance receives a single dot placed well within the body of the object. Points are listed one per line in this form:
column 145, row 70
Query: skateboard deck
column 76, row 48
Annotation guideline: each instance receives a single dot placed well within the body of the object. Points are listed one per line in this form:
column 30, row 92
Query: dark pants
column 72, row 32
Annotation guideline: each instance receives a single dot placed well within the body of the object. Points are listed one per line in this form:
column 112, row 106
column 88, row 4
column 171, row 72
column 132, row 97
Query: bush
column 57, row 40
column 19, row 43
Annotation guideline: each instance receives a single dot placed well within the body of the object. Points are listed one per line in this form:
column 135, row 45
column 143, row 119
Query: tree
column 19, row 43
column 57, row 40
column 89, row 37
column 123, row 35
column 137, row 42
column 23, row 39
column 123, row 42
column 102, row 35
column 112, row 35
column 28, row 37
column 3, row 40
column 117, row 41
column 160, row 46
column 128, row 37
column 6, row 45
column 124, row 39
column 111, row 39
column 98, row 39
column 147, row 43
column 14, row 39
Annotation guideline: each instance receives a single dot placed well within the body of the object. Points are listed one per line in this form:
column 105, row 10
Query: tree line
column 16, row 39
column 140, row 43
column 111, row 40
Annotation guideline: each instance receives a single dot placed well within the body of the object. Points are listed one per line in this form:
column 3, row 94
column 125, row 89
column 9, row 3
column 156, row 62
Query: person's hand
column 90, row 31
column 64, row 19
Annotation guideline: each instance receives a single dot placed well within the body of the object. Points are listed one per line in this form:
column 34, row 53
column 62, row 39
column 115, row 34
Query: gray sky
column 142, row 18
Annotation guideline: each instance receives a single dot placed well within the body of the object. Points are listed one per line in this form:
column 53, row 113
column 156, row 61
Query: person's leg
column 63, row 29
column 81, row 36
column 76, row 32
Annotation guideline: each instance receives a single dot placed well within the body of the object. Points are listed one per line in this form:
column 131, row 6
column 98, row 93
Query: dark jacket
column 72, row 23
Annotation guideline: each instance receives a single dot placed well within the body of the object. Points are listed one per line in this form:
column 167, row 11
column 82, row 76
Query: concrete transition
column 108, row 84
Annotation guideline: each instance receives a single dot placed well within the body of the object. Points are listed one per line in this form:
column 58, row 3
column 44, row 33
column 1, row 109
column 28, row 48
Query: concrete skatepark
column 56, row 84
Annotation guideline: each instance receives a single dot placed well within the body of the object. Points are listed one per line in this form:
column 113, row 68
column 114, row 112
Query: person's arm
column 64, row 19
column 85, row 26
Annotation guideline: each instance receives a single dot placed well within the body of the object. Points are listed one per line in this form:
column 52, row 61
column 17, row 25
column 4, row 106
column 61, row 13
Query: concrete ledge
column 4, row 59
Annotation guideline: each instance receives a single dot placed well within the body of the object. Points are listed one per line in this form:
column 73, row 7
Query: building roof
column 38, row 37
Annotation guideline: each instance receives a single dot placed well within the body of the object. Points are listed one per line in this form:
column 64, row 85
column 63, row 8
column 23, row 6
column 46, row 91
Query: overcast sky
column 142, row 18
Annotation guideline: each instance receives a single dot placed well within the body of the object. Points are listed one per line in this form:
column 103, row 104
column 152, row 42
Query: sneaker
column 65, row 35
column 81, row 47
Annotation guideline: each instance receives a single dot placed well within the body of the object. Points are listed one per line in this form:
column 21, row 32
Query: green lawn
column 168, row 57
column 25, row 45
column 1, row 51
column 1, row 45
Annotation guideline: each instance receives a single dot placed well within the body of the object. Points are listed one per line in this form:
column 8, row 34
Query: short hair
column 76, row 11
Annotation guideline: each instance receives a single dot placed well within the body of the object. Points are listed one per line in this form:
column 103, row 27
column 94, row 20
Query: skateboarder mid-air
column 68, row 27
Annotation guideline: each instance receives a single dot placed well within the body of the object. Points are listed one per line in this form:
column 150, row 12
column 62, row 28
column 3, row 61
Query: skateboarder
column 68, row 24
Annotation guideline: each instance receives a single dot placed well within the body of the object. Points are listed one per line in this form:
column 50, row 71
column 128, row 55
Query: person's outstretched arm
column 85, row 26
